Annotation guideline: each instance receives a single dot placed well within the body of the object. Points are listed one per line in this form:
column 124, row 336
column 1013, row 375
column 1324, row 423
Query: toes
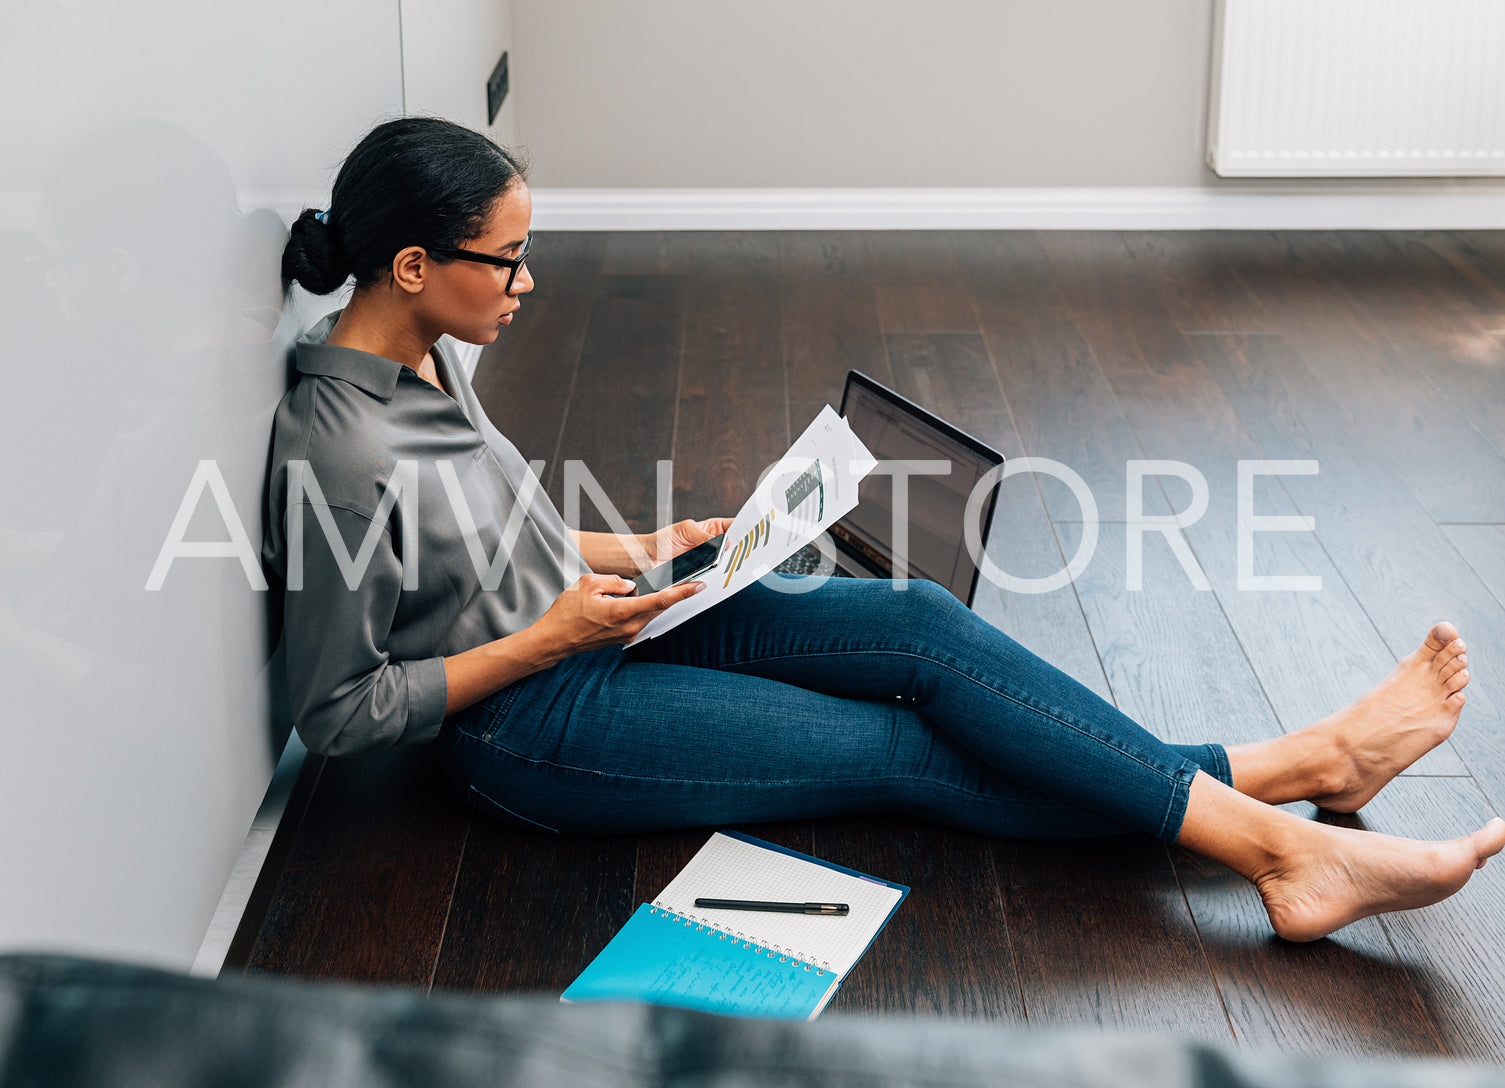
column 1458, row 682
column 1489, row 840
column 1455, row 701
column 1451, row 652
column 1440, row 635
column 1452, row 667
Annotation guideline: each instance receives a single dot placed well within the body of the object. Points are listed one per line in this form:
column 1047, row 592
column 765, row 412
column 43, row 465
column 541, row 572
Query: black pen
column 784, row 908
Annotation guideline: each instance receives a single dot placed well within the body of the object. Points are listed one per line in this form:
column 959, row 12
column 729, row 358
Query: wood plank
column 1006, row 273
column 1196, row 279
column 946, row 951
column 951, row 375
column 1305, row 646
column 1417, row 300
column 1384, row 545
column 1114, row 303
column 525, row 378
column 1483, row 546
column 924, row 308
column 1173, row 662
column 367, row 886
column 1479, row 295
column 1067, row 411
column 918, row 285
column 1115, row 307
column 1172, row 406
column 1103, row 939
column 829, row 319
column 1456, row 947
column 647, row 253
column 1062, row 404
column 1308, row 287
column 911, row 258
column 1479, row 257
column 1312, row 650
column 532, row 909
column 621, row 419
column 742, row 255
column 732, row 418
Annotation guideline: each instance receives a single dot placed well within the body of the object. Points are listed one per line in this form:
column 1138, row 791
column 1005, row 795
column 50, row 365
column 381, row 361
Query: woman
column 466, row 622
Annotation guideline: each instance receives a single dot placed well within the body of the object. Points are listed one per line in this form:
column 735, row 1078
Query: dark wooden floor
column 1381, row 356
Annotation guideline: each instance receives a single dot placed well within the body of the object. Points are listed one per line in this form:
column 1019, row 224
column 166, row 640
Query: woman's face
column 471, row 302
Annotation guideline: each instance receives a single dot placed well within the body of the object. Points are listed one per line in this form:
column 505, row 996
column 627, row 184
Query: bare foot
column 1401, row 719
column 1343, row 875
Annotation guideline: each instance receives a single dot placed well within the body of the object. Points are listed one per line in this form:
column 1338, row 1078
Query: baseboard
column 1434, row 206
column 242, row 908
column 1430, row 207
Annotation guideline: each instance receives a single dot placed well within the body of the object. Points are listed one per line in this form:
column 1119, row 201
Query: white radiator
column 1325, row 88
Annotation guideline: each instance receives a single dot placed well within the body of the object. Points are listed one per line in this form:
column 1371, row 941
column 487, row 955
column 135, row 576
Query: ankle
column 1250, row 837
column 1292, row 767
column 1277, row 848
column 1328, row 762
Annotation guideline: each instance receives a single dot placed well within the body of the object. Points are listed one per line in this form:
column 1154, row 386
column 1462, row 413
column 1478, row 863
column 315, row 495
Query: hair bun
column 313, row 257
column 411, row 181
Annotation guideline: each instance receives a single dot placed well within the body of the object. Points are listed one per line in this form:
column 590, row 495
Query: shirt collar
column 376, row 374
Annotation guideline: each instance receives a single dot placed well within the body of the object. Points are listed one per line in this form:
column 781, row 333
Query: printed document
column 812, row 485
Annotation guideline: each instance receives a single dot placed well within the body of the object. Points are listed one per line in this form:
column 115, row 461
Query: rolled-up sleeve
column 348, row 695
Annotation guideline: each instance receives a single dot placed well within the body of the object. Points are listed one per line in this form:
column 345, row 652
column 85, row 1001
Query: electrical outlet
column 496, row 90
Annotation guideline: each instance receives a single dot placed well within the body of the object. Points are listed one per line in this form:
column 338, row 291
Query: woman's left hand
column 682, row 536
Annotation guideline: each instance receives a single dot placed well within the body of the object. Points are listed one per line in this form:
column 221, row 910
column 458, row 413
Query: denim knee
column 922, row 599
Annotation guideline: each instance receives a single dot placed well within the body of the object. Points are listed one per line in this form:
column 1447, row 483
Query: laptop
column 893, row 429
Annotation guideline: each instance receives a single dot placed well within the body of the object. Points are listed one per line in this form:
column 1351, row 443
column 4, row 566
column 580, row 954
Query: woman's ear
column 408, row 269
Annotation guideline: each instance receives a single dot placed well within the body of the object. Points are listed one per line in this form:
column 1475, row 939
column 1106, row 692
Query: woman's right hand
column 595, row 612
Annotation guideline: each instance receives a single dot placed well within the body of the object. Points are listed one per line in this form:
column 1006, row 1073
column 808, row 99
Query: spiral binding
column 820, row 967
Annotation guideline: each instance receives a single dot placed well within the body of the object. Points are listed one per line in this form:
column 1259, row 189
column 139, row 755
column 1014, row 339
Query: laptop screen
column 893, row 429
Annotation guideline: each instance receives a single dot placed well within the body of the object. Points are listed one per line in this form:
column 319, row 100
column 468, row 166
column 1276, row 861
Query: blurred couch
column 69, row 1020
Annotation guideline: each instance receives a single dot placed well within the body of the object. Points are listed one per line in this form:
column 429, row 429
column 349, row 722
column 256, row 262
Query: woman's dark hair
column 418, row 181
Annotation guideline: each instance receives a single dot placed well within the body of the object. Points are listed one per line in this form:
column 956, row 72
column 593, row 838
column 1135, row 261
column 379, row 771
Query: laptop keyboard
column 807, row 561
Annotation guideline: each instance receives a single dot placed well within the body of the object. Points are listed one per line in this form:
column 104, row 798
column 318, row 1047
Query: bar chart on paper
column 755, row 537
column 805, row 499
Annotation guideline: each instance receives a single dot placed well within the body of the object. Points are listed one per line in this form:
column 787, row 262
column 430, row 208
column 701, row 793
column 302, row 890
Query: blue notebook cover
column 663, row 957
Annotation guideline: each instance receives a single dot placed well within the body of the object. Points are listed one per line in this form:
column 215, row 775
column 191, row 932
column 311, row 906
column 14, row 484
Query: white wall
column 849, row 93
column 146, row 144
column 872, row 94
column 449, row 48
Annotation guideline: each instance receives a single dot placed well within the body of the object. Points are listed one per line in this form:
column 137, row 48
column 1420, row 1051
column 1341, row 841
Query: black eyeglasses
column 511, row 264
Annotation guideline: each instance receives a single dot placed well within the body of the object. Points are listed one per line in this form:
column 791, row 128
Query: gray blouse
column 389, row 502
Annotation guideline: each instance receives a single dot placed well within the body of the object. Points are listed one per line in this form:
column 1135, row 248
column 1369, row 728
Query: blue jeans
column 852, row 697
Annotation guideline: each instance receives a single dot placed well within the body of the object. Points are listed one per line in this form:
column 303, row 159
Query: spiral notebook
column 742, row 963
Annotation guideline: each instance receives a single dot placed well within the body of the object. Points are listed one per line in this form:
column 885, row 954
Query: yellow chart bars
column 757, row 535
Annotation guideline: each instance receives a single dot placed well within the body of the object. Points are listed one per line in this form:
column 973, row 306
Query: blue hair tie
column 322, row 217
